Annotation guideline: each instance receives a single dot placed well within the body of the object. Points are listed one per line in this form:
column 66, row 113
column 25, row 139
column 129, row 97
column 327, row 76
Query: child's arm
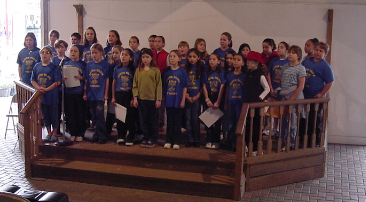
column 300, row 87
column 106, row 89
column 20, row 72
column 264, row 84
column 135, row 90
column 221, row 91
column 205, row 93
column 40, row 88
column 325, row 90
column 113, row 100
column 159, row 89
column 52, row 86
column 226, row 97
column 182, row 102
column 268, row 77
column 85, row 85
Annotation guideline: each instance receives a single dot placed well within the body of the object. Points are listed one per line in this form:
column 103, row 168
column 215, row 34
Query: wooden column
column 329, row 34
column 79, row 9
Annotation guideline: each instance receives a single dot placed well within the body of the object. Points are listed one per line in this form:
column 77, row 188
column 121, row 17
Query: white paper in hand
column 210, row 116
column 121, row 112
column 70, row 72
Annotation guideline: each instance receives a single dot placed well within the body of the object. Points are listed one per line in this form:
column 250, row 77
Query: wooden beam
column 329, row 34
column 79, row 9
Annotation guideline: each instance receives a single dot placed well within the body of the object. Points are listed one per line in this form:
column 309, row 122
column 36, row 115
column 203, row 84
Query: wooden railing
column 29, row 126
column 307, row 115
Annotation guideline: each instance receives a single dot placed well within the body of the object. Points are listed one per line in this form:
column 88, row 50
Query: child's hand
column 135, row 103
column 105, row 97
column 216, row 105
column 85, row 98
column 65, row 78
column 158, row 103
column 182, row 104
column 189, row 99
column 209, row 104
column 79, row 77
column 113, row 101
column 319, row 95
column 131, row 103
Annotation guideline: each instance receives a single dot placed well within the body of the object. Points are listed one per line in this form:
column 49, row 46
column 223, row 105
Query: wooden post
column 329, row 34
column 79, row 9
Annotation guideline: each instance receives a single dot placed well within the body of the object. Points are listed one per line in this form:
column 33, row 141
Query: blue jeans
column 149, row 120
column 97, row 112
column 174, row 124
column 233, row 118
column 293, row 129
column 192, row 122
column 50, row 113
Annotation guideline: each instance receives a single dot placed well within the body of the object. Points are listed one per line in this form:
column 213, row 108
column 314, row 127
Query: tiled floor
column 344, row 179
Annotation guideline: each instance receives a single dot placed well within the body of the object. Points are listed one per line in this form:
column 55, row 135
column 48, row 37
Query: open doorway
column 17, row 18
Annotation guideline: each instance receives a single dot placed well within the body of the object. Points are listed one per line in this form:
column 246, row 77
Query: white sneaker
column 129, row 143
column 208, row 145
column 79, row 139
column 254, row 153
column 167, row 145
column 72, row 138
column 215, row 146
column 176, row 147
column 120, row 141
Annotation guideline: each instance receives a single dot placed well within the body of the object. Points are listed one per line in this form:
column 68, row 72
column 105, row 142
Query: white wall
column 247, row 21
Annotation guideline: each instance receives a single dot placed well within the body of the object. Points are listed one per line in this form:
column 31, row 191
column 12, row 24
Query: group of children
column 181, row 84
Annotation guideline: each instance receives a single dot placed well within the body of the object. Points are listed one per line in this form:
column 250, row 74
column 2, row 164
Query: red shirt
column 267, row 59
column 160, row 59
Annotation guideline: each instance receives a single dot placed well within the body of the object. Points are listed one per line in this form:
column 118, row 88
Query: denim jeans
column 97, row 112
column 234, row 110
column 149, row 120
column 192, row 122
column 50, row 115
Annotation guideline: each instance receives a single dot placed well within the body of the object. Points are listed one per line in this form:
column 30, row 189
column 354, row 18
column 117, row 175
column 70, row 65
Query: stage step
column 202, row 184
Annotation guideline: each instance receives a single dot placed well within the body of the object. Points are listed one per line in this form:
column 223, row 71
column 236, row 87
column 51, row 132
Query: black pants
column 310, row 123
column 256, row 129
column 174, row 123
column 124, row 99
column 75, row 114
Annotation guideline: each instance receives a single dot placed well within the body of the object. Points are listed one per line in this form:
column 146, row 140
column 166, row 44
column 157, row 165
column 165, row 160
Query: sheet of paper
column 210, row 116
column 70, row 72
column 121, row 112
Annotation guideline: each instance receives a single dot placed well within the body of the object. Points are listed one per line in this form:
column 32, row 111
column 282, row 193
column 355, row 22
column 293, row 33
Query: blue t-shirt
column 108, row 54
column 80, row 66
column 317, row 75
column 236, row 85
column 87, row 54
column 222, row 54
column 54, row 52
column 96, row 75
column 183, row 62
column 111, row 71
column 27, row 59
column 213, row 81
column 136, row 57
column 46, row 76
column 173, row 83
column 194, row 85
column 275, row 70
column 124, row 78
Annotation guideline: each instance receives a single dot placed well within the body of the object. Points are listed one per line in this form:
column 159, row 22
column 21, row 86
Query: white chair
column 13, row 114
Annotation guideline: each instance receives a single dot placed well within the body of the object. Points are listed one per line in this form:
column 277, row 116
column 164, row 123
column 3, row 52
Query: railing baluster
column 269, row 141
column 280, row 117
column 324, row 120
column 298, row 113
column 250, row 143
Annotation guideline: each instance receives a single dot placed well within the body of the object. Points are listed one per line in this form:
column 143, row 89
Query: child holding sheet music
column 74, row 96
column 122, row 95
column 213, row 83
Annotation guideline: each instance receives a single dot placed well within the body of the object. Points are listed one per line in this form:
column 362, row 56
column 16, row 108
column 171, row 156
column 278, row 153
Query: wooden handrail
column 25, row 86
column 28, row 106
column 250, row 110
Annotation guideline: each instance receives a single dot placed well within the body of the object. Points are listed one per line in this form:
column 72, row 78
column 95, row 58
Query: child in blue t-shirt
column 234, row 98
column 122, row 94
column 213, row 83
column 90, row 38
column 96, row 91
column 45, row 78
column 112, row 40
column 175, row 81
column 200, row 45
column 134, row 44
column 111, row 117
column 192, row 105
column 28, row 57
column 225, row 46
column 74, row 103
column 183, row 48
column 319, row 80
column 53, row 36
